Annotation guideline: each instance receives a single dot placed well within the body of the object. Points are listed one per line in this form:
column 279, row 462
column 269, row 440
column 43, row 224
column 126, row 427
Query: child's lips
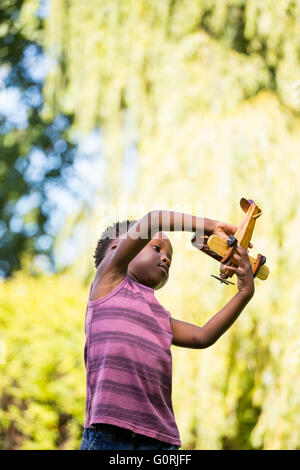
column 164, row 269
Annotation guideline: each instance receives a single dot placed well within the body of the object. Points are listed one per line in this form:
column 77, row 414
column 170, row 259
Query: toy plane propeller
column 222, row 250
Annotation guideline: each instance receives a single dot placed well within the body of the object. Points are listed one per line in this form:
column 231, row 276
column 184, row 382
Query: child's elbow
column 204, row 342
column 200, row 345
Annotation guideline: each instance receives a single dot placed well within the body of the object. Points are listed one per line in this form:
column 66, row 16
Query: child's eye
column 155, row 246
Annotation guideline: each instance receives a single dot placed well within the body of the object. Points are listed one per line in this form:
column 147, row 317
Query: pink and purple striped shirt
column 128, row 362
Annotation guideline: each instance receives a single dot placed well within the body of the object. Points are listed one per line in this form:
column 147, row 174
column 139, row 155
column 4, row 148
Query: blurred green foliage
column 34, row 151
column 211, row 92
column 42, row 373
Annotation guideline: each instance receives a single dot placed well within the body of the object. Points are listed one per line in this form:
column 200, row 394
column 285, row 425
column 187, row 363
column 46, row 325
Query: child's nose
column 165, row 259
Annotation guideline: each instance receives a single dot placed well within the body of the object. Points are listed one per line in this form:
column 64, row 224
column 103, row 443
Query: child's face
column 144, row 268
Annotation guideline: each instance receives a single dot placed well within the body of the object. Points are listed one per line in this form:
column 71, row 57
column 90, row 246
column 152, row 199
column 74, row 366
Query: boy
column 129, row 333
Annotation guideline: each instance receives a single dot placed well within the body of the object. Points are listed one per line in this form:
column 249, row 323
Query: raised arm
column 145, row 228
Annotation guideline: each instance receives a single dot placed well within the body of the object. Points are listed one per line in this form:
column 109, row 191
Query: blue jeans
column 109, row 437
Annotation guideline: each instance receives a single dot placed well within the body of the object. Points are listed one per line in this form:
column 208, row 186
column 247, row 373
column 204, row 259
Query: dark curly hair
column 110, row 234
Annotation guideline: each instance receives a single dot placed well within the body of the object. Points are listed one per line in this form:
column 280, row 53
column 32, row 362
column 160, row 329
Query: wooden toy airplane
column 222, row 250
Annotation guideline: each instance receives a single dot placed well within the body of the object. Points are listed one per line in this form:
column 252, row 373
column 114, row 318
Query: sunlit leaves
column 42, row 378
column 213, row 90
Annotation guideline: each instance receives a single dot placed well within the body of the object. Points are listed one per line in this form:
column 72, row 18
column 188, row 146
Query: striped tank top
column 128, row 362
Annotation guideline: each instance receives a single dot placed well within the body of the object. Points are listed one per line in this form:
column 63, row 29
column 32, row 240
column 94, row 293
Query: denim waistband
column 118, row 431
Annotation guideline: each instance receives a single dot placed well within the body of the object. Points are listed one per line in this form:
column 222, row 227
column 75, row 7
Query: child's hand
column 243, row 271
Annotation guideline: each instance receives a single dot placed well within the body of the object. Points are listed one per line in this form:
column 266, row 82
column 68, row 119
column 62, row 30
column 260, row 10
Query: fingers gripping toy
column 222, row 250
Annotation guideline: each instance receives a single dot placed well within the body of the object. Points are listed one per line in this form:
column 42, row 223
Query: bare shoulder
column 105, row 281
